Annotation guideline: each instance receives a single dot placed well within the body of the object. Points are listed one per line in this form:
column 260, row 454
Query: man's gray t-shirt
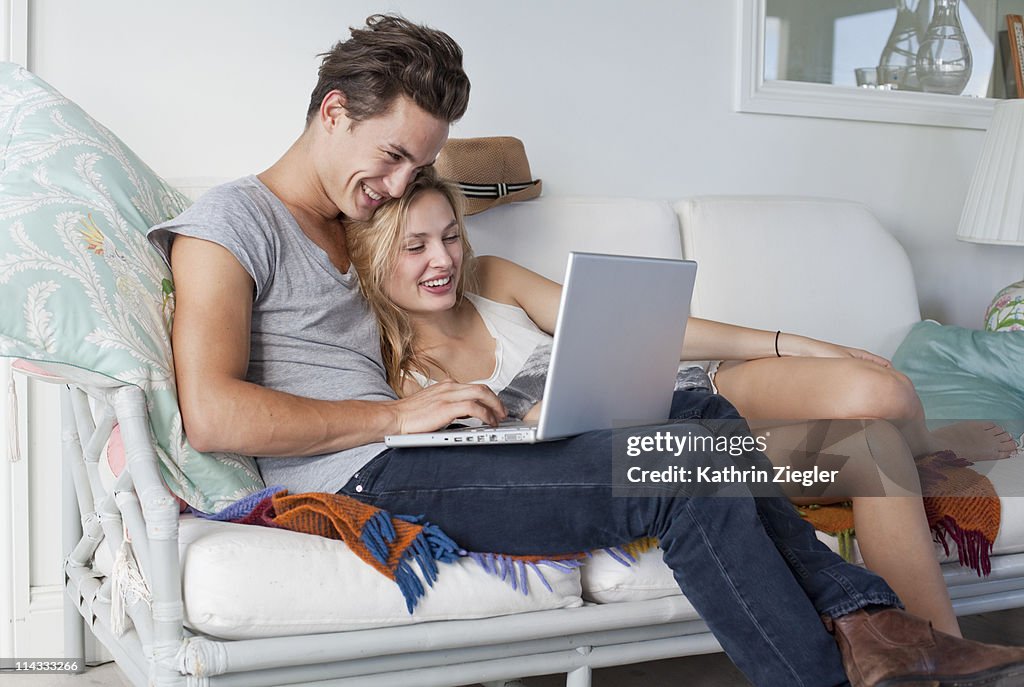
column 313, row 334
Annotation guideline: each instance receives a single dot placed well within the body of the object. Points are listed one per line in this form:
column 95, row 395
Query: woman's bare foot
column 974, row 440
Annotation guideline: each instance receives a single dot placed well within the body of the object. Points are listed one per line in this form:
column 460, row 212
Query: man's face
column 374, row 160
column 425, row 277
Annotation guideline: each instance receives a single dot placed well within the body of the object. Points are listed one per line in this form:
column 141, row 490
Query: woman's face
column 430, row 257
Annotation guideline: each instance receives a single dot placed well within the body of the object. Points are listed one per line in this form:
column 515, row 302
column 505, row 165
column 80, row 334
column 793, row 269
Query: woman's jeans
column 752, row 568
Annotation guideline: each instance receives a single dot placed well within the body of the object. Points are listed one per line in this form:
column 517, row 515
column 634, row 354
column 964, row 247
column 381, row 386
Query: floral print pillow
column 1006, row 314
column 79, row 283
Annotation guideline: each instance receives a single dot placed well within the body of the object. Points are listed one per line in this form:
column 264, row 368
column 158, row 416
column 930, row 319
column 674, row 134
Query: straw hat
column 490, row 171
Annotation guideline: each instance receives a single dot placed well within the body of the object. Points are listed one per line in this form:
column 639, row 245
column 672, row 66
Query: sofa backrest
column 820, row 267
column 540, row 233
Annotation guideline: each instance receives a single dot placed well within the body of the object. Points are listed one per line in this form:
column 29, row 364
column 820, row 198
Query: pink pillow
column 114, row 453
column 34, row 370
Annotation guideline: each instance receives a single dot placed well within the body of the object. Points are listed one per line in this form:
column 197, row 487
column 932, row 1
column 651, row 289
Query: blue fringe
column 515, row 572
column 429, row 548
column 621, row 556
column 544, row 580
column 378, row 533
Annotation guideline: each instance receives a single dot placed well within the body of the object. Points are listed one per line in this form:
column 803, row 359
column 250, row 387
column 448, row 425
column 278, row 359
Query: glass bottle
column 898, row 62
column 944, row 59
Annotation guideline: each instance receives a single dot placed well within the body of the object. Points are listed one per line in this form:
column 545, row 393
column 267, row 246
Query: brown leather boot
column 891, row 647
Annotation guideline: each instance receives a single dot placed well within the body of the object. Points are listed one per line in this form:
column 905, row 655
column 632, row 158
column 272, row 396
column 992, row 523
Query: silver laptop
column 615, row 354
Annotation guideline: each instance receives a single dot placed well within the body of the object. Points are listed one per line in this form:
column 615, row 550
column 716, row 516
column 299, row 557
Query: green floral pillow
column 1006, row 314
column 80, row 284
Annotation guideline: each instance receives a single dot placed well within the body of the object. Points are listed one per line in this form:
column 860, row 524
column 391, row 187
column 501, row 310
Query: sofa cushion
column 815, row 266
column 966, row 374
column 242, row 581
column 607, row 580
column 83, row 290
column 539, row 233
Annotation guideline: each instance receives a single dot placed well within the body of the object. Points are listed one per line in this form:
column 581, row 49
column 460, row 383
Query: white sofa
column 241, row 605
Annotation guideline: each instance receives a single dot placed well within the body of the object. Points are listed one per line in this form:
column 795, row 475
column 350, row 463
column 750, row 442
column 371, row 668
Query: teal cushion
column 80, row 285
column 966, row 373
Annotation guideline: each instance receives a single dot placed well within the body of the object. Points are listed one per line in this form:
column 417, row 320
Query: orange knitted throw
column 389, row 543
column 338, row 517
column 960, row 504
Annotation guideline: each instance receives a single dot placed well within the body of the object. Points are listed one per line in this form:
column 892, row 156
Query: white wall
column 612, row 98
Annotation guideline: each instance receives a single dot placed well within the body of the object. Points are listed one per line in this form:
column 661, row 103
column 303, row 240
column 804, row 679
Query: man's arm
column 223, row 412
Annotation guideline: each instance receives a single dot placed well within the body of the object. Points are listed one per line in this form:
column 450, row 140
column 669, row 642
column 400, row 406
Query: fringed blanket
column 961, row 505
column 389, row 543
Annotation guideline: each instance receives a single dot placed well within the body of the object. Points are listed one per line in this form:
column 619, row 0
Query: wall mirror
column 851, row 59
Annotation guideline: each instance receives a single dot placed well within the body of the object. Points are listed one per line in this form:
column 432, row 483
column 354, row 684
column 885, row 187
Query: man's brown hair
column 390, row 57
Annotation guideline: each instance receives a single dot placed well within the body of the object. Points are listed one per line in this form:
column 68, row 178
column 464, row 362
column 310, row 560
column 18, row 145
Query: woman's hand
column 796, row 345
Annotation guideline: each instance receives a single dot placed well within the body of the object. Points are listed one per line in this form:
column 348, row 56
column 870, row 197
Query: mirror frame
column 796, row 98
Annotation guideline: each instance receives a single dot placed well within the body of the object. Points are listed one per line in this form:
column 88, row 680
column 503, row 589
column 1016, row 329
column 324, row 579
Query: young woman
column 445, row 314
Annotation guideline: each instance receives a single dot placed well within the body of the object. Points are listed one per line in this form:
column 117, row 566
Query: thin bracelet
column 777, row 354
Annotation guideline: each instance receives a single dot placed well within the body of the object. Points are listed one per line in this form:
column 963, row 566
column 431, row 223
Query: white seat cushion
column 606, row 580
column 244, row 581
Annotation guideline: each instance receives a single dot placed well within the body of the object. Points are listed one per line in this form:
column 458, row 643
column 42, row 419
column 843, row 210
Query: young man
column 277, row 356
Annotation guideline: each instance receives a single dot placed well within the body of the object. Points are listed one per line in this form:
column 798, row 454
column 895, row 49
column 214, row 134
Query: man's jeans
column 752, row 567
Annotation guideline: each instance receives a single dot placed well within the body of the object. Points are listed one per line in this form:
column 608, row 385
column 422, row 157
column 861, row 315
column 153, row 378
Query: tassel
column 515, row 571
column 430, row 547
column 524, row 584
column 409, row 584
column 13, row 444
column 620, row 556
column 973, row 550
column 442, row 547
column 567, row 565
column 537, row 571
column 377, row 534
column 127, row 586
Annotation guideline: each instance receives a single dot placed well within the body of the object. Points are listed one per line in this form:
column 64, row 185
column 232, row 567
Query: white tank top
column 522, row 352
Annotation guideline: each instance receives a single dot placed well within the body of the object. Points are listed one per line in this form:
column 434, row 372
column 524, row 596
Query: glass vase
column 899, row 57
column 944, row 58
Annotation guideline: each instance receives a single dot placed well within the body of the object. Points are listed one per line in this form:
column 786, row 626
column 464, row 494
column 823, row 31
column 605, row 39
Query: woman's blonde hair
column 374, row 247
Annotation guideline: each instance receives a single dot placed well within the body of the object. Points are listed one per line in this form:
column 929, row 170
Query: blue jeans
column 752, row 567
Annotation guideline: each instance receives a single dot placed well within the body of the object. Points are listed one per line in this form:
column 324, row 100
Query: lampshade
column 994, row 211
